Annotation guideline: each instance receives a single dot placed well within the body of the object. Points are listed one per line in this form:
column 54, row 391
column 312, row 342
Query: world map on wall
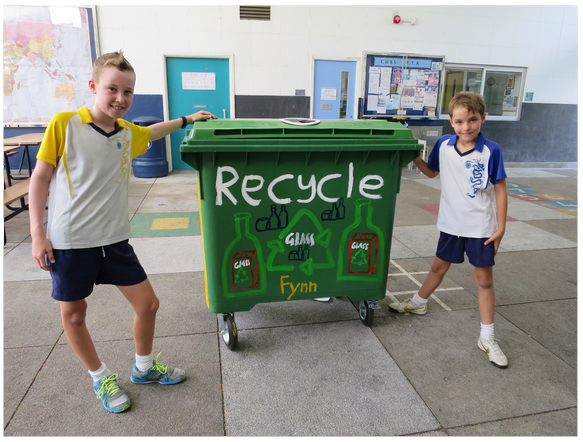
column 47, row 62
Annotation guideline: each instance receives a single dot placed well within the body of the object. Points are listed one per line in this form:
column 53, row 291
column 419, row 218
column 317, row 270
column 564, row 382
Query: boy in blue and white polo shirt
column 472, row 212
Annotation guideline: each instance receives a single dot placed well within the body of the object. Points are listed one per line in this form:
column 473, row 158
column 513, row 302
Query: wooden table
column 12, row 144
column 19, row 190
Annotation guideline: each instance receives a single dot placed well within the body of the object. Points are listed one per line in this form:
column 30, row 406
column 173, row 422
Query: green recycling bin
column 296, row 209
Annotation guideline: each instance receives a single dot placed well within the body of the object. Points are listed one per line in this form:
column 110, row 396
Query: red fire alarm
column 397, row 19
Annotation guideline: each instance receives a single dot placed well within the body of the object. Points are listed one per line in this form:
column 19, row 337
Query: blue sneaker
column 112, row 396
column 161, row 373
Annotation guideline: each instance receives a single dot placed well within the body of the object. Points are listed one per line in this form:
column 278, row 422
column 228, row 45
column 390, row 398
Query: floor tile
column 169, row 254
column 21, row 366
column 454, row 366
column 180, row 197
column 19, row 265
column 531, row 173
column 523, row 236
column 567, row 228
column 551, row 323
column 331, row 379
column 556, row 423
column 23, row 301
column 422, row 240
column 528, row 211
column 191, row 408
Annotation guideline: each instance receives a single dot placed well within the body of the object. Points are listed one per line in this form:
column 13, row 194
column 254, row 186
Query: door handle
column 225, row 113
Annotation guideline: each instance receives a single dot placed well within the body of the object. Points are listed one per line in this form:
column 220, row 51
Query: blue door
column 196, row 84
column 334, row 88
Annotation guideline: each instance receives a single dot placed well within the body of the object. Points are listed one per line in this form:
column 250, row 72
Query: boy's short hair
column 472, row 102
column 113, row 59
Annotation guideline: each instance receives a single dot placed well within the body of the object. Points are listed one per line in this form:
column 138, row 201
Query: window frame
column 510, row 70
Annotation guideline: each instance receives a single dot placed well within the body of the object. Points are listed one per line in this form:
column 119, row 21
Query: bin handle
column 299, row 121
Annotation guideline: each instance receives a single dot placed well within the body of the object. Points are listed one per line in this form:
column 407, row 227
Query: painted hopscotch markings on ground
column 411, row 276
column 560, row 203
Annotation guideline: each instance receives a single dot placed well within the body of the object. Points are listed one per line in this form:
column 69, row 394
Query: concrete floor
column 308, row 368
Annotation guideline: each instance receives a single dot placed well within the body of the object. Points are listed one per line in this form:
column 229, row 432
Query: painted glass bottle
column 361, row 251
column 243, row 265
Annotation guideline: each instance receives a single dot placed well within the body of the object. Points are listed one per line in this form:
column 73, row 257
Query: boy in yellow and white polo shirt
column 84, row 160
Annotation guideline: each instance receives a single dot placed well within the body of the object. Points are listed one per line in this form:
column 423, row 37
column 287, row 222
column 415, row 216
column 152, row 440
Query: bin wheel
column 230, row 336
column 366, row 313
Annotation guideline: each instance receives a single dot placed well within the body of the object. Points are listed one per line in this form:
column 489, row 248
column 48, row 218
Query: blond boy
column 84, row 160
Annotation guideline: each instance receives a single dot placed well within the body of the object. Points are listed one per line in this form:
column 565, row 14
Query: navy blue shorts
column 76, row 271
column 451, row 248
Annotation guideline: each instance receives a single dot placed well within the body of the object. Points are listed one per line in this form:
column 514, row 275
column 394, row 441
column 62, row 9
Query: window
column 501, row 87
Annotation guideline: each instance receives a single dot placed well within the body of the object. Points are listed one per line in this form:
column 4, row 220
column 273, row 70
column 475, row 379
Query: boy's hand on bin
column 200, row 115
column 160, row 130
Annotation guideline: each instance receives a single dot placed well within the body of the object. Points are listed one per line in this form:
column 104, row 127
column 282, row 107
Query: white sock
column 487, row 331
column 101, row 372
column 418, row 300
column 144, row 363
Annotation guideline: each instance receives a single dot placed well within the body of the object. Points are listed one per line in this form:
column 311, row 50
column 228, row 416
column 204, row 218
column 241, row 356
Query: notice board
column 402, row 85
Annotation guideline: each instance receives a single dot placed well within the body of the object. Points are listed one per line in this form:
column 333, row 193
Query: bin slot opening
column 262, row 132
column 387, row 133
column 308, row 131
column 351, row 131
column 227, row 132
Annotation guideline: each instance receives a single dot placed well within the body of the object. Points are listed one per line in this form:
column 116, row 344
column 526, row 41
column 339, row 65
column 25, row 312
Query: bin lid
column 259, row 134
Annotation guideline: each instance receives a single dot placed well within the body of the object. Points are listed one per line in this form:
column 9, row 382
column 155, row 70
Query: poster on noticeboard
column 402, row 85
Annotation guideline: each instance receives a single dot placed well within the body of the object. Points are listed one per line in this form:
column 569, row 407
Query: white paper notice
column 328, row 93
column 372, row 103
column 373, row 83
column 199, row 81
column 382, row 105
column 386, row 77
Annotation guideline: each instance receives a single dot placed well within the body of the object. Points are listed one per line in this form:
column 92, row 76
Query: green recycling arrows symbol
column 322, row 238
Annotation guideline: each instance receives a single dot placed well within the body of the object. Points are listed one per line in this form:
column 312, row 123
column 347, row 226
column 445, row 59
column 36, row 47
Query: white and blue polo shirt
column 88, row 193
column 468, row 201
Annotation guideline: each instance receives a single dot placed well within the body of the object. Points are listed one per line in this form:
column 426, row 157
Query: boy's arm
column 424, row 167
column 502, row 210
column 160, row 130
column 37, row 200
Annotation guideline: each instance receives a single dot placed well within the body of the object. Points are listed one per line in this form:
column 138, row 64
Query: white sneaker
column 322, row 299
column 408, row 306
column 496, row 356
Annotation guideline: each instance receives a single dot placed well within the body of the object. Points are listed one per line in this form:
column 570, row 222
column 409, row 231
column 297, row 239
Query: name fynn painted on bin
column 293, row 288
column 227, row 177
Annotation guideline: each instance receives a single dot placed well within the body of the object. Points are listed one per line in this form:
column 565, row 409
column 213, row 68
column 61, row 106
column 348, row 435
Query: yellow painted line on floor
column 170, row 223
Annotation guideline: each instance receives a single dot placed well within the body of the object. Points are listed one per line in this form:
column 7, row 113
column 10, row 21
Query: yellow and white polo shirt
column 88, row 194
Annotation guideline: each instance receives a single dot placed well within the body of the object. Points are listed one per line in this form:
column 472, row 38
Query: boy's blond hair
column 472, row 102
column 113, row 59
